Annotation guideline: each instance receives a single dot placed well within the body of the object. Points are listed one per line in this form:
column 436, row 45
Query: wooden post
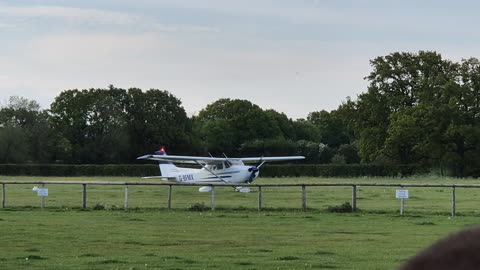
column 402, row 203
column 169, row 203
column 42, row 202
column 454, row 206
column 402, row 206
column 3, row 195
column 125, row 205
column 213, row 198
column 84, row 196
column 354, row 198
column 304, row 198
column 259, row 198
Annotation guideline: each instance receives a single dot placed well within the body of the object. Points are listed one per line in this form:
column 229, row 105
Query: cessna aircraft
column 214, row 170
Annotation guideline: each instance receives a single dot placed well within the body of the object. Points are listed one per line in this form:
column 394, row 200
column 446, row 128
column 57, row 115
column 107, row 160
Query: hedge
column 313, row 170
column 342, row 170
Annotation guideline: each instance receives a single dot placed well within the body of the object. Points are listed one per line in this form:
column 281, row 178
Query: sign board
column 42, row 192
column 401, row 194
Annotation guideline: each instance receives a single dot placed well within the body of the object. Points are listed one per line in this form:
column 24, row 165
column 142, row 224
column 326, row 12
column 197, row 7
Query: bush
column 346, row 207
column 199, row 207
column 99, row 206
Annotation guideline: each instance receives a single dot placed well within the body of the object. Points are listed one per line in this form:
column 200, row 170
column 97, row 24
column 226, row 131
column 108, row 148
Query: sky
column 295, row 56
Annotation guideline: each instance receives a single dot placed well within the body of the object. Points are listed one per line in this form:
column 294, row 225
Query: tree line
column 418, row 108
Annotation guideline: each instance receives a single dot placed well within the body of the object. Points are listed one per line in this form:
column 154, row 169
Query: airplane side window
column 227, row 165
column 220, row 166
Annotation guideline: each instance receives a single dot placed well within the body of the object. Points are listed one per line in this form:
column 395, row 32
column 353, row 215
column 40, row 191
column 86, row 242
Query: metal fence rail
column 354, row 186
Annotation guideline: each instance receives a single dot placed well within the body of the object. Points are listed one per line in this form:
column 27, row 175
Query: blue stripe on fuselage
column 214, row 177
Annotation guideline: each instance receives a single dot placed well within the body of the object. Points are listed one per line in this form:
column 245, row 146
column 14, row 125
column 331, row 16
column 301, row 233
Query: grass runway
column 235, row 236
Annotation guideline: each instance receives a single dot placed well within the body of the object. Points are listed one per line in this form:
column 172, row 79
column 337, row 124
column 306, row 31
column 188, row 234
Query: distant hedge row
column 78, row 170
column 325, row 170
column 342, row 170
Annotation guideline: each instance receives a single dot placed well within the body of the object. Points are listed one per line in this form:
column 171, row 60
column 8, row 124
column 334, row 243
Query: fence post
column 304, row 198
column 3, row 195
column 125, row 205
column 169, row 203
column 84, row 196
column 259, row 198
column 454, row 207
column 213, row 197
column 42, row 202
column 354, row 198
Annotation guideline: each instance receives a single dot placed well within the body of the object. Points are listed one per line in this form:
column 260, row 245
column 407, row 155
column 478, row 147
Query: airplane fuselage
column 234, row 174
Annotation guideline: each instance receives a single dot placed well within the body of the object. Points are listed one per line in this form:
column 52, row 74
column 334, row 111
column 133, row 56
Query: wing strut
column 205, row 167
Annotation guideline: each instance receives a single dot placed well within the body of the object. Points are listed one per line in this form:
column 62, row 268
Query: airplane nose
column 253, row 173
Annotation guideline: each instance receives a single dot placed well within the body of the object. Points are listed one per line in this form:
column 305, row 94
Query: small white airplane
column 214, row 170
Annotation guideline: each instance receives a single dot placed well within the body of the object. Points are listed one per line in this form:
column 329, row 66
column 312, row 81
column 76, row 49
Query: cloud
column 30, row 15
column 78, row 15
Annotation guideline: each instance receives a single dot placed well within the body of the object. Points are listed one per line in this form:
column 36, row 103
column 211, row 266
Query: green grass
column 235, row 236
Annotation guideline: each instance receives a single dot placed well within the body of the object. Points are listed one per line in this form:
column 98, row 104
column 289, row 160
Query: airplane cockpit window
column 227, row 165
column 220, row 166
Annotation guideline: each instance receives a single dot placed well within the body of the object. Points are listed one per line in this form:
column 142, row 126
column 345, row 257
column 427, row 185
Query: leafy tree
column 310, row 150
column 92, row 121
column 26, row 132
column 218, row 136
column 349, row 152
column 282, row 122
column 305, row 130
column 157, row 118
column 331, row 128
column 398, row 81
column 13, row 145
column 244, row 120
column 115, row 125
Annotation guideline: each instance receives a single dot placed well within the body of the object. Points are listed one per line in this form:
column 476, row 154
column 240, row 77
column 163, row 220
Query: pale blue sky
column 292, row 56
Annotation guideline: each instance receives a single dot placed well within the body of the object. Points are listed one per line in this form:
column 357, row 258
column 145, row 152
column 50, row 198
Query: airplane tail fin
column 167, row 168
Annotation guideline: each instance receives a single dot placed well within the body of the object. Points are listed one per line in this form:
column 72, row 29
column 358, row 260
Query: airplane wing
column 184, row 159
column 215, row 160
column 263, row 159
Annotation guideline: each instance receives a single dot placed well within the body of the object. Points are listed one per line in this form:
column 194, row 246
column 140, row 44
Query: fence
column 303, row 187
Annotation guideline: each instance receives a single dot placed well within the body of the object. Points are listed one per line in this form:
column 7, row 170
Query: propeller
column 254, row 169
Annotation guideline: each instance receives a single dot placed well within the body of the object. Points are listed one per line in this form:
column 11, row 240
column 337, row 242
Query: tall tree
column 246, row 120
column 156, row 118
column 25, row 132
column 113, row 125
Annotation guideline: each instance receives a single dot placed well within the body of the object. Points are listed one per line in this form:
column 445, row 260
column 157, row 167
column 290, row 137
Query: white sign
column 42, row 192
column 401, row 194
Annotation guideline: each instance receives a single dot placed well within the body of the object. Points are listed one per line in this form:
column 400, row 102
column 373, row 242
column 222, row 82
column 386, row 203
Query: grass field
column 235, row 236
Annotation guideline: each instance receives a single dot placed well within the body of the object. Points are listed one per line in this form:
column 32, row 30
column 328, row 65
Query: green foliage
column 269, row 147
column 420, row 108
column 13, row 145
column 115, row 125
column 268, row 170
column 226, row 124
column 341, row 170
column 349, row 152
column 332, row 130
column 79, row 170
column 99, row 206
column 338, row 159
column 345, row 207
column 199, row 207
column 25, row 132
